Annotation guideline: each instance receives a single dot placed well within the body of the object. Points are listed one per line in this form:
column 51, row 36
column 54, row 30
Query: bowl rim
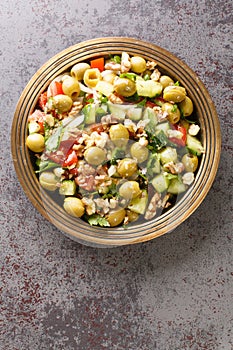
column 21, row 157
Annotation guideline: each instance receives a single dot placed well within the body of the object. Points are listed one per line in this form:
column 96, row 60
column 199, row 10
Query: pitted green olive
column 74, row 206
column 119, row 135
column 78, row 70
column 138, row 64
column 91, row 77
column 165, row 80
column 71, row 87
column 190, row 162
column 139, row 152
column 62, row 103
column 116, row 217
column 124, row 87
column 174, row 93
column 95, row 155
column 35, row 142
column 127, row 167
column 48, row 181
column 186, row 106
column 129, row 190
column 172, row 111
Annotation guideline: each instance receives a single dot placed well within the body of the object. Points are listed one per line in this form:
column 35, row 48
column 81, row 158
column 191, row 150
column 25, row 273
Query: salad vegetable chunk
column 116, row 139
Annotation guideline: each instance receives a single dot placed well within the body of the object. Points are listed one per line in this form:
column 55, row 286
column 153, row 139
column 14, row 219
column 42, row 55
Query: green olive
column 174, row 93
column 119, row 135
column 48, row 181
column 35, row 142
column 129, row 190
column 186, row 106
column 127, row 167
column 190, row 162
column 91, row 77
column 168, row 154
column 132, row 216
column 139, row 152
column 109, row 77
column 172, row 111
column 71, row 87
column 116, row 217
column 74, row 206
column 165, row 80
column 62, row 103
column 95, row 155
column 124, row 87
column 78, row 70
column 138, row 64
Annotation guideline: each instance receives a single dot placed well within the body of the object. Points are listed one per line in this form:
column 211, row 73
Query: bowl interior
column 210, row 134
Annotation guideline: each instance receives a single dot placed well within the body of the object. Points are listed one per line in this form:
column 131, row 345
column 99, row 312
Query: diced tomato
column 55, row 88
column 71, row 158
column 43, row 100
column 97, row 127
column 98, row 63
column 150, row 104
column 179, row 141
column 41, row 126
column 74, row 172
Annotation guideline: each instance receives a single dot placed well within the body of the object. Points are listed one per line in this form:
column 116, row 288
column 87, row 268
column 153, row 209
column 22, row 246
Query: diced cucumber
column 148, row 88
column 134, row 113
column 150, row 115
column 104, row 87
column 162, row 126
column 194, row 145
column 139, row 204
column 68, row 188
column 118, row 110
column 167, row 155
column 89, row 113
column 176, row 186
column 160, row 183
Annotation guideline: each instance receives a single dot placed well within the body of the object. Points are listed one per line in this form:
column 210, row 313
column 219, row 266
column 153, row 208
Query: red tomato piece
column 98, row 63
column 97, row 127
column 71, row 158
column 150, row 104
column 55, row 88
column 43, row 100
column 182, row 141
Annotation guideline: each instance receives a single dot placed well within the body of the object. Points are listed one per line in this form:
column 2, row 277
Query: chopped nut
column 125, row 63
column 151, row 65
column 116, row 67
column 174, row 168
column 152, row 207
column 115, row 99
column 76, row 108
column 89, row 205
column 155, row 75
column 193, row 130
column 188, row 178
column 143, row 141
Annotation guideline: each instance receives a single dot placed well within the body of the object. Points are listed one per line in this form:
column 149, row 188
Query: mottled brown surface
column 172, row 293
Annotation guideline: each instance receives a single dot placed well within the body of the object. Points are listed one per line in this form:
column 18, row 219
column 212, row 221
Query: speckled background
column 173, row 293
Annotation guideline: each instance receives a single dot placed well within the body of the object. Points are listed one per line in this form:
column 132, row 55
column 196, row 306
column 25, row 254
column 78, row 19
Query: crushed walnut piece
column 174, row 168
column 115, row 99
column 153, row 205
column 155, row 75
column 125, row 63
column 151, row 65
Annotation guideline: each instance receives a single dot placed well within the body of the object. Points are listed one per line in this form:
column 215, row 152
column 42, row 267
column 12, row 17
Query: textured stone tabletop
column 172, row 293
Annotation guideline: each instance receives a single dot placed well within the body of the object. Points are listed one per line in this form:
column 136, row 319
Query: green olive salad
column 115, row 140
